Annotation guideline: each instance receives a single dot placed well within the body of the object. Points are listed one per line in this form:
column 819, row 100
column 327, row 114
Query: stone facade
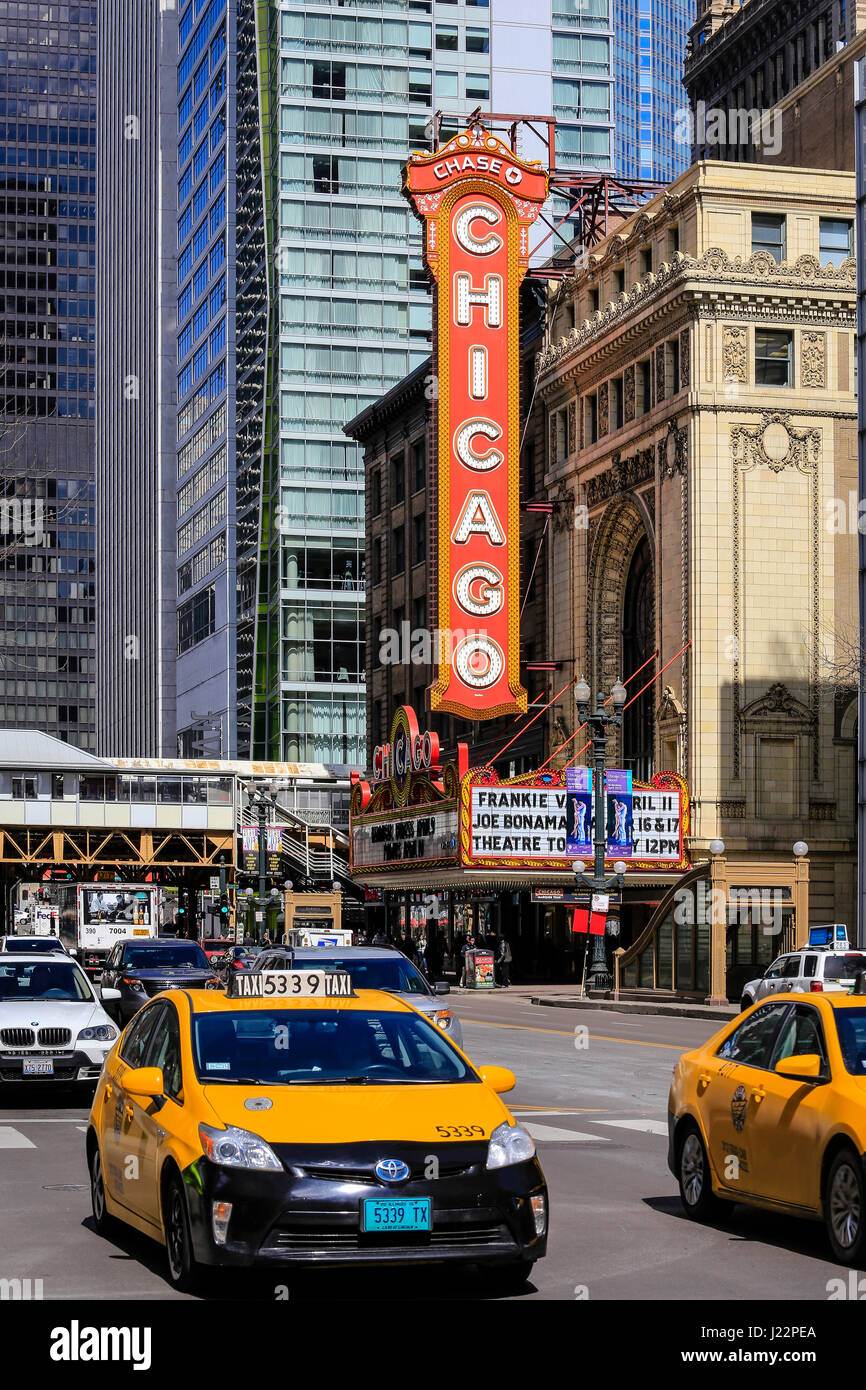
column 732, row 466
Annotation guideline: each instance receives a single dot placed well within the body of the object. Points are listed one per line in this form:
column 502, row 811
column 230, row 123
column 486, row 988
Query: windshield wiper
column 235, row 1081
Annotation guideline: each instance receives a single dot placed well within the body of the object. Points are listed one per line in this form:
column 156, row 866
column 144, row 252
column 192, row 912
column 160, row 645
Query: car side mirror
column 441, row 987
column 807, row 1067
column 145, row 1083
column 500, row 1078
column 109, row 995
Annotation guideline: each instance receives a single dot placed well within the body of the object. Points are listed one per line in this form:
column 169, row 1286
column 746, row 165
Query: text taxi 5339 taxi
column 294, row 1121
column 772, row 1112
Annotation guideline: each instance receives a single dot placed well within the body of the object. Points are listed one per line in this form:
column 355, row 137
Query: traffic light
column 224, row 911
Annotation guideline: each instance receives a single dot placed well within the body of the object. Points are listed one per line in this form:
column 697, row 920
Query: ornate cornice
column 757, row 272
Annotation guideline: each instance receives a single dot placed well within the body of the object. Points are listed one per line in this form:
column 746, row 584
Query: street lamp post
column 263, row 800
column 599, row 721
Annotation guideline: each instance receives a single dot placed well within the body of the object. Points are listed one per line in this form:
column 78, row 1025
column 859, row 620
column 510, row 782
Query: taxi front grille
column 367, row 1176
column 453, row 1235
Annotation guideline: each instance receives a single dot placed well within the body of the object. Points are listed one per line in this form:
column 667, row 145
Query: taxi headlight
column 238, row 1148
column 509, row 1144
column 103, row 1032
column 443, row 1018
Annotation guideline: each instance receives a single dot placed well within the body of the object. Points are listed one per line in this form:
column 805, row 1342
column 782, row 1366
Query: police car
column 298, row 1121
column 825, row 966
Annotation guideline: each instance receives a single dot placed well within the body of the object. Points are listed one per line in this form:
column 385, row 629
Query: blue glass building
column 48, row 58
column 649, row 54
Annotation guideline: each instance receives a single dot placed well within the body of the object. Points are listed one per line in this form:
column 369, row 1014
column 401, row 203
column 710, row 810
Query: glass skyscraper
column 47, row 304
column 650, row 52
column 300, row 300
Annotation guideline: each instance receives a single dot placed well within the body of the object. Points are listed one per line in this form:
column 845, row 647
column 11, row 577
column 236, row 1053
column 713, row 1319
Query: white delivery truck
column 110, row 912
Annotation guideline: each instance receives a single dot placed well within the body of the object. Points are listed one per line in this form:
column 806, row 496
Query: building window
column 592, row 418
column 672, row 367
column 619, row 279
column 329, row 81
column 594, row 300
column 377, row 560
column 326, row 174
column 446, row 37
column 646, row 261
column 768, row 234
column 616, row 403
column 24, row 788
column 836, row 240
column 376, row 493
column 420, row 523
column 446, row 84
column 477, row 41
column 774, row 357
column 398, row 480
column 419, row 464
column 195, row 619
column 644, row 392
column 477, row 86
column 398, row 549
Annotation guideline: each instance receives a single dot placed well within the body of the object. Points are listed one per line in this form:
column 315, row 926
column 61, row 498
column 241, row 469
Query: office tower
column 47, row 226
column 135, row 378
column 650, row 49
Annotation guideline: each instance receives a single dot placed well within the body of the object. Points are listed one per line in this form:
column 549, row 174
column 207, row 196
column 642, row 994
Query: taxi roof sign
column 291, row 984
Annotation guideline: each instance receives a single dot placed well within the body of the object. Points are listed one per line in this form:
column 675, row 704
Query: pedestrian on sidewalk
column 468, row 945
column 503, row 960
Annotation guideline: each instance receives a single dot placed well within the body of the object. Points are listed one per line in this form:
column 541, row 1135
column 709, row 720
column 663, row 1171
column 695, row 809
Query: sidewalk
column 564, row 997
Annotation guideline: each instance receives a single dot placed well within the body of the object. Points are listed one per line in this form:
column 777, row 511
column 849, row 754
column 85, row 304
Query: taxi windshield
column 851, row 1027
column 317, row 1048
column 48, row 979
column 388, row 972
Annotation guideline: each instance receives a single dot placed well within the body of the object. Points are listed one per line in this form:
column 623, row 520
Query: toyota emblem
column 391, row 1170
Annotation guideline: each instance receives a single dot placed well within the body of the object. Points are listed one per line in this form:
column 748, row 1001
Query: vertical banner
column 477, row 201
column 620, row 833
column 578, row 823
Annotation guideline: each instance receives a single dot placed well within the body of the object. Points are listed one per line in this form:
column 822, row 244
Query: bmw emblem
column 391, row 1170
column 739, row 1104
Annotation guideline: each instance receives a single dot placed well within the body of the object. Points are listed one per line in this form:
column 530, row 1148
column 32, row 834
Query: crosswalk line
column 13, row 1139
column 640, row 1126
column 551, row 1134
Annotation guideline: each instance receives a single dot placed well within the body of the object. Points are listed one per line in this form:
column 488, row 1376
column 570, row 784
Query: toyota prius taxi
column 295, row 1121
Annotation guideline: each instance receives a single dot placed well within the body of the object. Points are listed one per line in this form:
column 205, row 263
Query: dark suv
column 141, row 968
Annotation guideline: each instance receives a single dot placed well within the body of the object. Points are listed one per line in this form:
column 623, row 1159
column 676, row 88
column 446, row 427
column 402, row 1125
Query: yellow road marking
column 561, row 1109
column 564, row 1033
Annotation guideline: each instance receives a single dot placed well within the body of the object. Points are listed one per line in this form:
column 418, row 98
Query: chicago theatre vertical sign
column 477, row 201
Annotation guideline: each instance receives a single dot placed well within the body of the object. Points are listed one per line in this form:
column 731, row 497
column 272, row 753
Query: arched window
column 638, row 645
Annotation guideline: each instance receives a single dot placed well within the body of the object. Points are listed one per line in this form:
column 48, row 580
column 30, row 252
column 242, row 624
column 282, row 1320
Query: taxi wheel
column 693, row 1171
column 103, row 1223
column 183, row 1271
column 845, row 1208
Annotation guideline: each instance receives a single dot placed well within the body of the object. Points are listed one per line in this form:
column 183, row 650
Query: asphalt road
column 596, row 1102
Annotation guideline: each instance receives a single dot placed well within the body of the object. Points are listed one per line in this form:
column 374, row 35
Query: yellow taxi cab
column 772, row 1112
column 293, row 1121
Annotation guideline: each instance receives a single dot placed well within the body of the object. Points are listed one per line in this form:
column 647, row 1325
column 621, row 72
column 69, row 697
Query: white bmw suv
column 52, row 1026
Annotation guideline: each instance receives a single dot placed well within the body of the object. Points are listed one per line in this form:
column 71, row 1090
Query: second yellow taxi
column 772, row 1112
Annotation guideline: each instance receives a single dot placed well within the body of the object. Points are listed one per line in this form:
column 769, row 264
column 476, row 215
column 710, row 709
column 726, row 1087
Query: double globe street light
column 600, row 720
